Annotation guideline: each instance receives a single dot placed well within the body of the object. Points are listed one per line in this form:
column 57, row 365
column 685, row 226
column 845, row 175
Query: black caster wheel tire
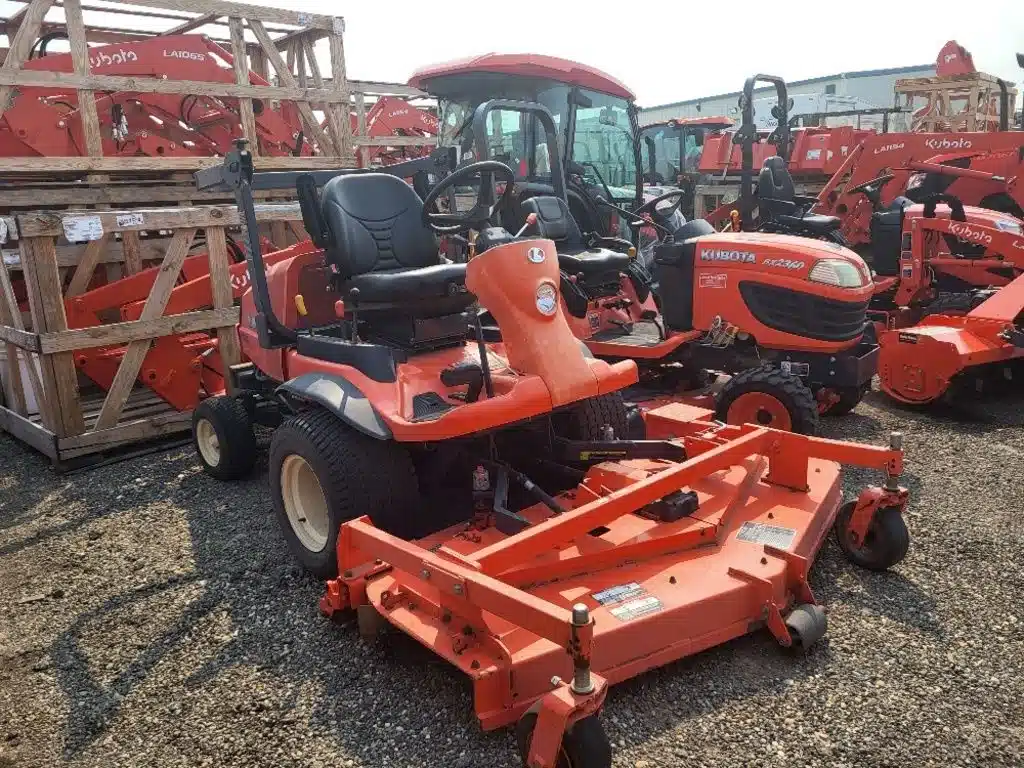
column 807, row 624
column 584, row 745
column 885, row 545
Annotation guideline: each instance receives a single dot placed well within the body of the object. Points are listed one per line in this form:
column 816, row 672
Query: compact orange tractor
column 784, row 316
column 473, row 490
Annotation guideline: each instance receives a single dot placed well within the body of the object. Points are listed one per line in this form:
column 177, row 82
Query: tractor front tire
column 324, row 473
column 885, row 545
column 223, row 437
column 770, row 398
column 849, row 398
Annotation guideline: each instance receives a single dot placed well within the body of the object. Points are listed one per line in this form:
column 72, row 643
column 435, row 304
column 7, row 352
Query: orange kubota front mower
column 472, row 489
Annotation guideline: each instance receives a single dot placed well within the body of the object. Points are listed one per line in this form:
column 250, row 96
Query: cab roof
column 524, row 65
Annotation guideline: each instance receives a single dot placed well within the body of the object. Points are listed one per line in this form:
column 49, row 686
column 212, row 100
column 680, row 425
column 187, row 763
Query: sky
column 673, row 50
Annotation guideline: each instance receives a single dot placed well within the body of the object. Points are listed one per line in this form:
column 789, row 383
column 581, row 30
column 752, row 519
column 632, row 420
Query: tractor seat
column 378, row 244
column 555, row 222
column 814, row 223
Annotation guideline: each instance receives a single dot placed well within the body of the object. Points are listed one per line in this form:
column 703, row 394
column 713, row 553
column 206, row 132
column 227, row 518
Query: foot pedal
column 465, row 373
column 673, row 507
column 428, row 406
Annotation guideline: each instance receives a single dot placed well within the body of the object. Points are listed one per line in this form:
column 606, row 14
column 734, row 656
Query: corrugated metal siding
column 877, row 89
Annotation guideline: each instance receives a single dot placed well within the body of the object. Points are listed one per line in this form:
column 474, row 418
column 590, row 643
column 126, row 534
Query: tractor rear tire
column 324, row 473
column 223, row 437
column 586, row 420
column 770, row 398
column 886, row 543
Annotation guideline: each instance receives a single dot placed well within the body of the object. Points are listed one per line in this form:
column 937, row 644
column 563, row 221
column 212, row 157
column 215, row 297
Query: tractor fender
column 339, row 396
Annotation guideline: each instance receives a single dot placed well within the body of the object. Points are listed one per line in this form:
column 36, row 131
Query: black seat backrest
column 374, row 222
column 554, row 221
column 776, row 195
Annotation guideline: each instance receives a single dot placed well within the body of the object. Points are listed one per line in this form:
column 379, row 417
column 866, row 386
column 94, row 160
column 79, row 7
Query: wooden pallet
column 69, row 424
column 956, row 103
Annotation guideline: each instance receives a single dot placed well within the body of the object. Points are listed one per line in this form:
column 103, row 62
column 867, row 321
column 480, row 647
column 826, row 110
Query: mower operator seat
column 379, row 245
column 555, row 222
column 776, row 200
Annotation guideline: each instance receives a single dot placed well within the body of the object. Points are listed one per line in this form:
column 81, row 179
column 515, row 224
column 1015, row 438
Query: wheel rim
column 209, row 444
column 759, row 408
column 304, row 503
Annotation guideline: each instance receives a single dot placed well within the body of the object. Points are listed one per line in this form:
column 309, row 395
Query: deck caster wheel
column 807, row 624
column 223, row 437
column 584, row 745
column 885, row 544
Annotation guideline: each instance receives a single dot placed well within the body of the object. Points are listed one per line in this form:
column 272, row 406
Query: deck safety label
column 772, row 535
column 634, row 609
column 619, row 593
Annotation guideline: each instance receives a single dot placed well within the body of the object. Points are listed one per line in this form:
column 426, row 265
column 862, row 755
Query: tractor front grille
column 804, row 314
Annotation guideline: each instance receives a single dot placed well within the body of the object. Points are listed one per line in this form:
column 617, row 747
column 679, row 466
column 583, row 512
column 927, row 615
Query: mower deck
column 650, row 561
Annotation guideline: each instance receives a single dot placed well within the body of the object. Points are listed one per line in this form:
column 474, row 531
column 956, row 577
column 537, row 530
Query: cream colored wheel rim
column 304, row 503
column 209, row 445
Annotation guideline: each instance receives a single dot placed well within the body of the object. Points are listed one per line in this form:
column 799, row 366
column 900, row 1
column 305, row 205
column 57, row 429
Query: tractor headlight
column 838, row 272
column 546, row 299
column 915, row 180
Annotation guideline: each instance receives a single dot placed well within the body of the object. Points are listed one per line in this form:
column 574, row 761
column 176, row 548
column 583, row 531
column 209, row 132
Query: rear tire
column 768, row 397
column 223, row 437
column 324, row 473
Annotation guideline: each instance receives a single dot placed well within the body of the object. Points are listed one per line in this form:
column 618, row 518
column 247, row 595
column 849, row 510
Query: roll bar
column 746, row 137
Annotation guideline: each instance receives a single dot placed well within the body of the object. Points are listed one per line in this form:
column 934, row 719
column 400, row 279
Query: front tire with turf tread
column 358, row 474
column 586, row 420
column 788, row 389
column 235, row 453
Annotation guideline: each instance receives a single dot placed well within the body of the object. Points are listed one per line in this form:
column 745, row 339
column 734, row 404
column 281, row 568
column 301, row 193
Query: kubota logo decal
column 888, row 148
column 740, row 257
column 965, row 232
column 948, row 143
column 109, row 59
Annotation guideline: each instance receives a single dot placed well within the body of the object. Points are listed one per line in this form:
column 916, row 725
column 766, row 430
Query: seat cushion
column 593, row 263
column 814, row 223
column 409, row 285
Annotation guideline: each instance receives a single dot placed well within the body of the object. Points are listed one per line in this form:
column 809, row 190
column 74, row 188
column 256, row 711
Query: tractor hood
column 800, row 258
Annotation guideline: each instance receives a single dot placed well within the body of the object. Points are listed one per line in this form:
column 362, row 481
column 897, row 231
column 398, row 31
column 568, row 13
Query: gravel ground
column 152, row 616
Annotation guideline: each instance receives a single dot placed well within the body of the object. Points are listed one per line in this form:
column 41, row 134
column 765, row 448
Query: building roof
column 525, row 65
column 809, row 81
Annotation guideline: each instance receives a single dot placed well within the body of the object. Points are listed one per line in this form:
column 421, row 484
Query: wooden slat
column 46, row 79
column 30, row 433
column 288, row 80
column 131, row 247
column 49, row 196
column 378, row 88
column 339, row 83
column 51, row 224
column 127, row 372
column 223, row 296
column 60, row 406
column 225, row 8
column 152, row 426
column 86, row 267
column 241, row 66
column 21, row 45
column 50, row 165
column 188, row 26
column 364, row 152
column 394, row 141
column 12, row 315
column 86, row 98
column 137, row 330
column 20, row 339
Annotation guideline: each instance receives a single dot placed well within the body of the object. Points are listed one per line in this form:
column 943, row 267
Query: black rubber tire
column 1002, row 203
column 358, row 474
column 886, row 544
column 784, row 387
column 584, row 745
column 237, row 442
column 586, row 420
column 807, row 624
column 849, row 398
column 956, row 303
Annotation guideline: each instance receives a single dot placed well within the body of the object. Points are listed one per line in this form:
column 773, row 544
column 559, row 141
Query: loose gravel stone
column 152, row 616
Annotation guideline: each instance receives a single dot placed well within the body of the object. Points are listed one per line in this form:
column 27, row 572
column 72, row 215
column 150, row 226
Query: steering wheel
column 481, row 212
column 651, row 206
column 956, row 206
column 870, row 186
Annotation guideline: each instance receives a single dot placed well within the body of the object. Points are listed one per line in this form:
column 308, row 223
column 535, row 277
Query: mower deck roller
column 652, row 561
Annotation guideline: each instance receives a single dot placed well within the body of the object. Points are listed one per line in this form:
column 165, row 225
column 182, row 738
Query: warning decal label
column 634, row 609
column 619, row 593
column 772, row 535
